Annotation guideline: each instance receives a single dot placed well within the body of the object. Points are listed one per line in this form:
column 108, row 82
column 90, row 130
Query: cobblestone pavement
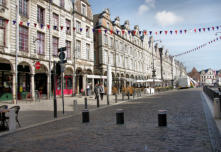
column 187, row 129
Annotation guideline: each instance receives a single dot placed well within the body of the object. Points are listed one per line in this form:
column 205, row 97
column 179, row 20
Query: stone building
column 208, row 77
column 131, row 53
column 43, row 27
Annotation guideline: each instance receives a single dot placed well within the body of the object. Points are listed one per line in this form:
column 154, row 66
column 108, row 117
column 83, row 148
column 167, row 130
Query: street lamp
column 151, row 41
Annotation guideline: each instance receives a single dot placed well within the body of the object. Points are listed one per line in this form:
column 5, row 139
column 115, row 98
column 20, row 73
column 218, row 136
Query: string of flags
column 199, row 47
column 133, row 32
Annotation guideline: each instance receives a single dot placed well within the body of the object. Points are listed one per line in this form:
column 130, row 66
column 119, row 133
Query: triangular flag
column 181, row 31
column 81, row 29
column 176, row 31
column 204, row 29
column 62, row 27
column 208, row 29
column 93, row 30
column 150, row 32
column 117, row 31
column 129, row 32
column 35, row 24
column 185, row 31
column 6, row 21
column 42, row 25
column 194, row 30
column 14, row 22
column 99, row 30
column 48, row 26
column 28, row 24
column 171, row 32
column 134, row 32
column 156, row 33
column 123, row 31
column 111, row 32
column 68, row 28
column 55, row 27
column 75, row 28
column 105, row 31
column 144, row 32
column 140, row 32
column 161, row 32
column 220, row 37
column 213, row 28
column 199, row 29
column 21, row 23
column 165, row 32
column 217, row 27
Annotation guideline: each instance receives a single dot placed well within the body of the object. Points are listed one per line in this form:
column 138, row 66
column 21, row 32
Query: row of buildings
column 31, row 31
column 207, row 77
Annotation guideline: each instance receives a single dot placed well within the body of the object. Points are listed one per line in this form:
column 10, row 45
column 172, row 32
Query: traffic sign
column 62, row 55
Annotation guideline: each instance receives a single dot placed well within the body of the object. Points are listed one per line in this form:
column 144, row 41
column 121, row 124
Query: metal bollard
column 115, row 98
column 85, row 103
column 75, row 103
column 133, row 95
column 162, row 118
column 217, row 112
column 85, row 116
column 12, row 120
column 98, row 102
column 128, row 95
column 120, row 116
column 122, row 96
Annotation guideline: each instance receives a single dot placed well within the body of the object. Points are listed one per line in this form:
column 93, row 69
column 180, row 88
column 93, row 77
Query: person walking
column 101, row 91
column 96, row 91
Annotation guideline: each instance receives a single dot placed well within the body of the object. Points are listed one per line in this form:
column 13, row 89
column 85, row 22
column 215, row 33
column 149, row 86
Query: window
column 111, row 59
column 62, row 3
column 41, row 43
column 2, row 32
column 87, row 51
column 78, row 26
column 56, row 21
column 55, row 46
column 111, row 42
column 23, row 7
column 83, row 9
column 78, row 45
column 68, row 25
column 88, row 31
column 105, row 57
column 105, row 39
column 68, row 49
column 3, row 2
column 23, row 38
column 40, row 14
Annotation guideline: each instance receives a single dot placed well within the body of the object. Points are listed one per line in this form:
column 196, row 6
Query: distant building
column 208, row 77
column 195, row 75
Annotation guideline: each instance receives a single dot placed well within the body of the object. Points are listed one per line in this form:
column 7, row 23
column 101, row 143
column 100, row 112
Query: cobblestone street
column 187, row 129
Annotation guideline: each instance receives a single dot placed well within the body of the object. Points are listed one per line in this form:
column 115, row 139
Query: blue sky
column 173, row 15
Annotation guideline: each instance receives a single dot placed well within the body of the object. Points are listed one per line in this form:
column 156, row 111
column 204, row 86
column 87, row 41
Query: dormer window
column 83, row 9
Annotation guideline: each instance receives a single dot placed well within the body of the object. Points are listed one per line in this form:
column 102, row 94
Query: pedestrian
column 101, row 87
column 88, row 89
column 96, row 91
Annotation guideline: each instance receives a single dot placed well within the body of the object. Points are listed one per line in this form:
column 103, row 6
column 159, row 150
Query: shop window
column 69, row 83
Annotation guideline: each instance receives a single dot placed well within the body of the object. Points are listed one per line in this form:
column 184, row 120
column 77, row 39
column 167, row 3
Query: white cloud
column 166, row 18
column 142, row 9
column 151, row 3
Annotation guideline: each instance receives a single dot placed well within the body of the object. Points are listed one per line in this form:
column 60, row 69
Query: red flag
column 145, row 32
column 35, row 24
column 213, row 28
column 48, row 26
column 61, row 27
column 123, row 31
column 74, row 28
column 185, row 31
column 156, row 33
column 165, row 32
column 194, row 30
column 134, row 32
column 111, row 32
column 220, row 37
column 99, row 30
column 6, row 21
column 204, row 29
column 21, row 23
column 176, row 31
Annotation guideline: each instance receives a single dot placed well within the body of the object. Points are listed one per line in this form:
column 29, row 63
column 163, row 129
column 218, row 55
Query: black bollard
column 128, row 94
column 115, row 98
column 85, row 103
column 134, row 95
column 85, row 116
column 120, row 116
column 122, row 96
column 98, row 102
column 162, row 118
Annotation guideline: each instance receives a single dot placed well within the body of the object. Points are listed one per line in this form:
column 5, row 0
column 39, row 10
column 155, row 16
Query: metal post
column 98, row 103
column 49, row 50
column 55, row 100
column 16, row 52
column 115, row 98
column 62, row 90
column 85, row 103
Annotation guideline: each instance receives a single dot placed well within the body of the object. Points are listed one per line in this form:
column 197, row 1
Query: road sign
column 37, row 65
column 62, row 54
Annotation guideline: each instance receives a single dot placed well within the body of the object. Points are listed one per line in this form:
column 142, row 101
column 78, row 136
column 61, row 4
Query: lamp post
column 151, row 41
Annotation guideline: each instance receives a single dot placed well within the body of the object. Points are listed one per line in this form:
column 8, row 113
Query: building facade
column 132, row 54
column 208, row 77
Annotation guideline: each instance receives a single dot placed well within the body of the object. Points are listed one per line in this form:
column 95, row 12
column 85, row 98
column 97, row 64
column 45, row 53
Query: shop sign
column 37, row 65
